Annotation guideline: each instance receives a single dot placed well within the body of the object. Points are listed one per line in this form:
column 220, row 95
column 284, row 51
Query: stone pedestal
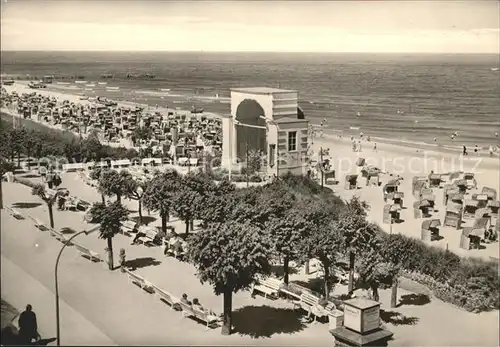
column 347, row 338
column 361, row 325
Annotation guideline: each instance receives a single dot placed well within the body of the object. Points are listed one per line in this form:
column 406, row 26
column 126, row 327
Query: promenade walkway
column 129, row 316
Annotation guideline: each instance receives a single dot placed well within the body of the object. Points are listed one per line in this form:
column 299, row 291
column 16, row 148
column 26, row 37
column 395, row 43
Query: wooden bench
column 267, row 286
column 150, row 235
column 87, row 253
column 306, row 301
column 140, row 281
column 58, row 235
column 205, row 317
column 128, row 226
column 165, row 296
column 14, row 213
column 39, row 225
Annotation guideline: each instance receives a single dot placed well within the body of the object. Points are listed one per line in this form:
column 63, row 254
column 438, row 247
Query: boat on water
column 102, row 83
column 354, row 128
column 80, row 82
column 83, row 97
column 495, row 69
column 8, row 82
column 90, row 85
column 63, row 83
column 88, row 88
column 164, row 89
column 112, row 88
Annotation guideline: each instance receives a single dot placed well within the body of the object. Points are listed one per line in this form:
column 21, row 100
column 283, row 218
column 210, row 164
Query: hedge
column 472, row 284
column 25, row 181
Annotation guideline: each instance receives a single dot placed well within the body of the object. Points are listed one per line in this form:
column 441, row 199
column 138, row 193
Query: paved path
column 75, row 329
column 130, row 316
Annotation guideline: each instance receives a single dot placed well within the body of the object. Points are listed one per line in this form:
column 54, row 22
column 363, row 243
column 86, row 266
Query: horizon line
column 242, row 51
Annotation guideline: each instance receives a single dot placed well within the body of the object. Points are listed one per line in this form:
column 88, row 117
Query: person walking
column 28, row 328
column 375, row 147
column 476, row 150
column 465, row 150
column 491, row 150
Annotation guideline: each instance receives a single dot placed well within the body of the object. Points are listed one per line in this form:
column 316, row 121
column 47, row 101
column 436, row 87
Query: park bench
column 127, row 227
column 306, row 301
column 58, row 235
column 136, row 279
column 87, row 253
column 150, row 236
column 311, row 304
column 165, row 296
column 39, row 225
column 71, row 203
column 267, row 286
column 15, row 213
column 205, row 317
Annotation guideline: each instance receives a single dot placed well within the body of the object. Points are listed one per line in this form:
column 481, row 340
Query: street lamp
column 68, row 242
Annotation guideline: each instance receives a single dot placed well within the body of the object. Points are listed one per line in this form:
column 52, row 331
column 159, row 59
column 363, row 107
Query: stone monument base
column 348, row 338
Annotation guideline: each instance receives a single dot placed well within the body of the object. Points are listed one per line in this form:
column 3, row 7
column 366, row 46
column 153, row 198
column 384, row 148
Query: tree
column 287, row 233
column 135, row 191
column 110, row 218
column 391, row 251
column 95, row 175
column 375, row 272
column 40, row 191
column 112, row 182
column 358, row 235
column 219, row 203
column 5, row 167
column 191, row 195
column 324, row 242
column 158, row 195
column 92, row 148
column 229, row 256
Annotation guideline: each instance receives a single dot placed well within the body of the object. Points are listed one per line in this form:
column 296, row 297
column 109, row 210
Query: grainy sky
column 336, row 26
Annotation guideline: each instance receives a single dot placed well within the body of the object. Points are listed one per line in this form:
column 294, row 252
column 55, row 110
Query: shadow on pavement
column 414, row 299
column 44, row 342
column 277, row 270
column 26, row 204
column 138, row 263
column 145, row 219
column 396, row 318
column 265, row 321
column 67, row 230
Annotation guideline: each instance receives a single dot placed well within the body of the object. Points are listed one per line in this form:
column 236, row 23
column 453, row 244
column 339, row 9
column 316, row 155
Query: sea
column 407, row 98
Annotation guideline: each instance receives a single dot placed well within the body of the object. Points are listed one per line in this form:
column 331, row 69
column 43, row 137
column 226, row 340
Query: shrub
column 472, row 284
column 25, row 181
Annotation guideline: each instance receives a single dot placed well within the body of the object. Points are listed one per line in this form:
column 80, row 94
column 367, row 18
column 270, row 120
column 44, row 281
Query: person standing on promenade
column 476, row 150
column 375, row 147
column 28, row 328
column 491, row 150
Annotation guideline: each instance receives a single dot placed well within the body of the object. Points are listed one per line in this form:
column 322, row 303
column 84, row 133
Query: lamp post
column 56, row 281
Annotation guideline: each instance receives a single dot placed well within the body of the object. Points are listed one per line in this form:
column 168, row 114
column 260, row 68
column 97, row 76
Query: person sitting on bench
column 199, row 307
column 137, row 236
column 184, row 299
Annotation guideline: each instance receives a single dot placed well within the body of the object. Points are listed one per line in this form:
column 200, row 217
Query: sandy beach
column 394, row 160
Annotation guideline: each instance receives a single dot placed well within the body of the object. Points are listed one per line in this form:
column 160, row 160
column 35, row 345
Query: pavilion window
column 292, row 141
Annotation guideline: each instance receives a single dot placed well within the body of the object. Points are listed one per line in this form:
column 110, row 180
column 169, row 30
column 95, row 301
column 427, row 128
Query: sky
column 278, row 26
